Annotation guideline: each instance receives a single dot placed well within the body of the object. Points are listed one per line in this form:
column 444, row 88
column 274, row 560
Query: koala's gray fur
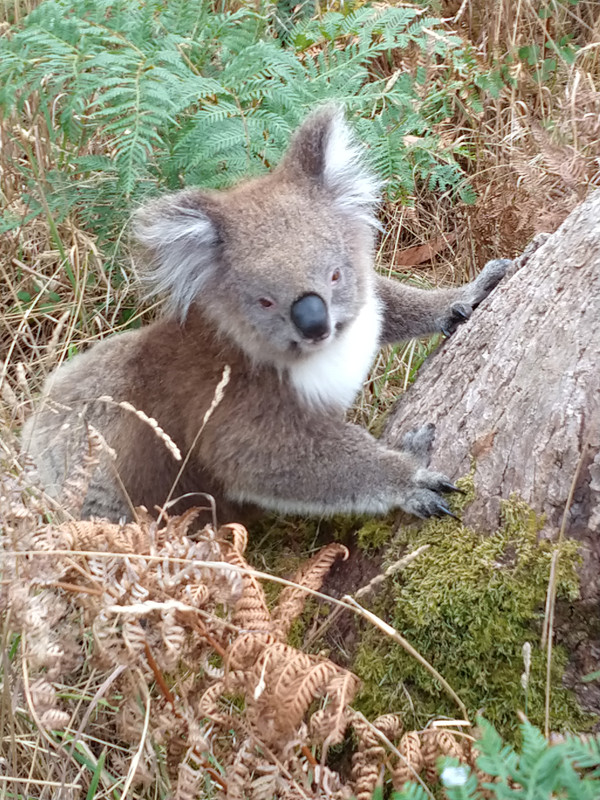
column 233, row 266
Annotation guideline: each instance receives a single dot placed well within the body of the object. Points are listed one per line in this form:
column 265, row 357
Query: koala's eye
column 265, row 302
column 336, row 275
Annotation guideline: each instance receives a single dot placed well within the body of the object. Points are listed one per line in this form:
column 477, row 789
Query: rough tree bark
column 517, row 390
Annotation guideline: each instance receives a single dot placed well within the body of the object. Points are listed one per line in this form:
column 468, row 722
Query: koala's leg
column 327, row 466
column 58, row 444
column 409, row 312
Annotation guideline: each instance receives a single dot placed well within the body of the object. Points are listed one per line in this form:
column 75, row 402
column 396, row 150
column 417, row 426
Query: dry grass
column 58, row 292
column 105, row 702
column 535, row 146
column 143, row 659
column 535, row 155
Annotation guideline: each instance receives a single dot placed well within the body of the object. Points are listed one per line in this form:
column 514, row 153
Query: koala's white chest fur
column 333, row 376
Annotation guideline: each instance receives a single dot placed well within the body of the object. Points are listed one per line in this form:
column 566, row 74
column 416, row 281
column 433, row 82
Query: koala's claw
column 424, row 500
column 456, row 315
column 459, row 310
column 447, row 486
column 443, row 509
column 424, row 503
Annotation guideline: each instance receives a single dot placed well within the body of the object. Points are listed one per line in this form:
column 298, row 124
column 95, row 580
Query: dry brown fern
column 279, row 684
column 411, row 762
column 190, row 778
column 239, row 774
column 328, row 725
column 77, row 484
column 160, row 605
column 368, row 760
column 251, row 610
column 297, row 691
column 420, row 751
column 310, row 575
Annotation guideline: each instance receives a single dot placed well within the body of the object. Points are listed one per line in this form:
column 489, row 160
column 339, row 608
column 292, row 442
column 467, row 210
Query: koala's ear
column 324, row 149
column 180, row 240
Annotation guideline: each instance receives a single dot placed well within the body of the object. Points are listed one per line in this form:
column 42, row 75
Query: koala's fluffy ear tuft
column 180, row 240
column 325, row 150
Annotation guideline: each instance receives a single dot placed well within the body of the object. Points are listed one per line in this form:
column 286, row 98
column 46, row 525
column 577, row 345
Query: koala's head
column 282, row 263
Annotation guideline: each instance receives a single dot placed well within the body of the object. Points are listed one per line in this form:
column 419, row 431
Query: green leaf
column 93, row 787
column 138, row 98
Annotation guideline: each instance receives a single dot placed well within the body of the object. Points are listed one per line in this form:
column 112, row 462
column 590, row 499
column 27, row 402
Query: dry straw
column 153, row 595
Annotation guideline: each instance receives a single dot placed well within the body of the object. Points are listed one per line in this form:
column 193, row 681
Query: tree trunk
column 516, row 391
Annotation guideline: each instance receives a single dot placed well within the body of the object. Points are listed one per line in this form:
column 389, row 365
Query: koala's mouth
column 306, row 347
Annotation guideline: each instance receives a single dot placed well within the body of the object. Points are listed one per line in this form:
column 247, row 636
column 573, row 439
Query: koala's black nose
column 309, row 315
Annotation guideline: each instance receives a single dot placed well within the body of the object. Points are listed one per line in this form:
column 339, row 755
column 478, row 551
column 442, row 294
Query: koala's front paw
column 455, row 316
column 419, row 443
column 472, row 294
column 424, row 499
column 489, row 277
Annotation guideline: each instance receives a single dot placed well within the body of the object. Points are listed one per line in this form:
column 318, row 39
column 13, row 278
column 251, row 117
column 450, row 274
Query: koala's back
column 167, row 371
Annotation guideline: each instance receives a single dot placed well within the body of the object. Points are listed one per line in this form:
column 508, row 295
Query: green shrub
column 130, row 97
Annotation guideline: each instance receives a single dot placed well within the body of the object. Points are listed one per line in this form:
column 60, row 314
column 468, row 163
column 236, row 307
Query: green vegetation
column 468, row 604
column 138, row 97
column 570, row 769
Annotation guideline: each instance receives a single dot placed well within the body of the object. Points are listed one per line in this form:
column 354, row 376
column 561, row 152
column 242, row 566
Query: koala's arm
column 410, row 312
column 326, row 466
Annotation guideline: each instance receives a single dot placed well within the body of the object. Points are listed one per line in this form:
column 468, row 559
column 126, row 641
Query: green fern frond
column 413, row 791
column 584, row 751
column 138, row 96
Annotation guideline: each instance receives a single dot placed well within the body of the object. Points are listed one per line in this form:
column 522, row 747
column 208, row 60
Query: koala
column 273, row 278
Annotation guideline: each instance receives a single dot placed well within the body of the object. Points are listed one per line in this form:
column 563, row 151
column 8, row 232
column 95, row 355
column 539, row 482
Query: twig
column 309, row 756
column 39, row 782
column 90, row 709
column 218, row 396
column 170, row 698
column 138, row 754
column 167, row 693
column 366, row 589
column 548, row 628
column 74, row 587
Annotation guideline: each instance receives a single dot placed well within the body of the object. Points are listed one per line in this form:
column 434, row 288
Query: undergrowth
column 538, row 771
column 144, row 658
column 127, row 98
column 483, row 120
column 469, row 604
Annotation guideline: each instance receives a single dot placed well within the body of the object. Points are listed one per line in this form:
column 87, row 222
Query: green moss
column 373, row 534
column 468, row 604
